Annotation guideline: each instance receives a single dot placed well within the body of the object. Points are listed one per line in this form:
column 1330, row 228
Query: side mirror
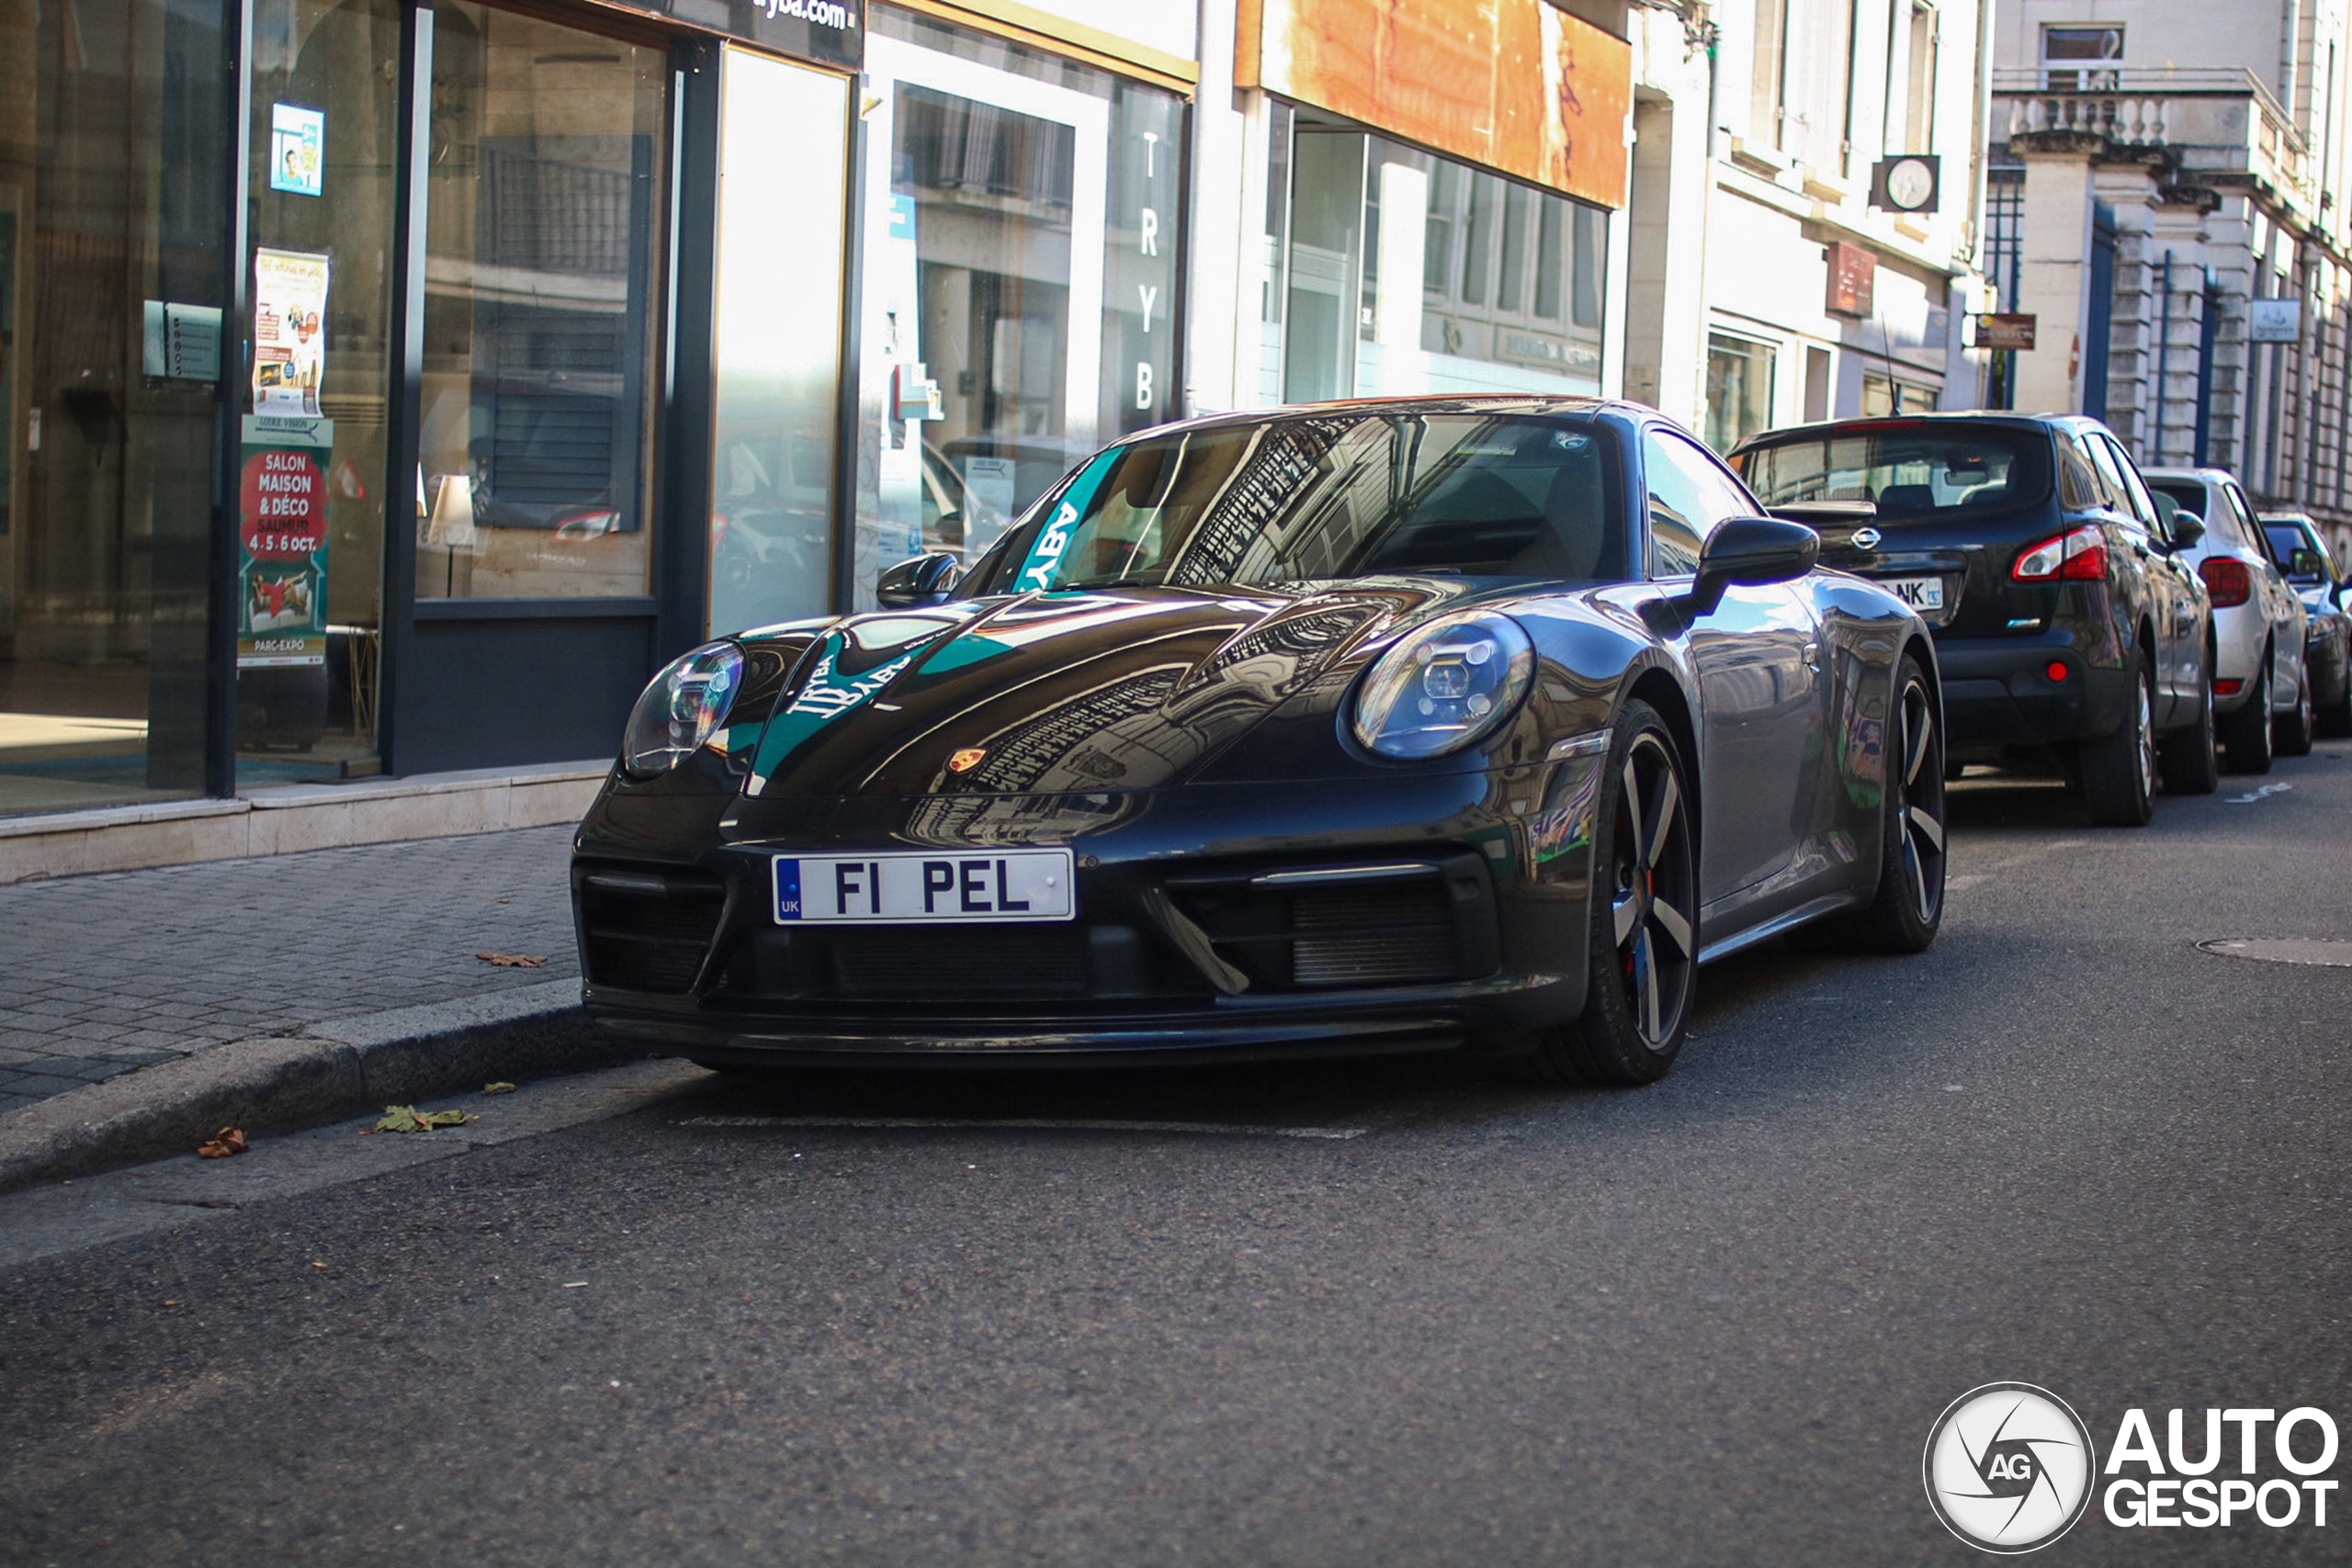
column 1752, row 550
column 2307, row 563
column 925, row 579
column 2188, row 530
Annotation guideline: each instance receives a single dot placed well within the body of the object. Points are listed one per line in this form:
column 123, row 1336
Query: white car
column 2262, row 690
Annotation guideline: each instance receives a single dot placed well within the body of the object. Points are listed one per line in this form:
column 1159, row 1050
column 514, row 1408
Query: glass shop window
column 1739, row 390
column 541, row 280
column 1021, row 283
column 1412, row 273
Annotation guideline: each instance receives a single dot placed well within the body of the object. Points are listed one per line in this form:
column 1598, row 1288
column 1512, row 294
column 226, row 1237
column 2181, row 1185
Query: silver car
column 2262, row 688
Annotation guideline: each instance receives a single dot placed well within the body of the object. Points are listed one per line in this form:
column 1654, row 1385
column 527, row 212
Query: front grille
column 650, row 934
column 1372, row 936
column 1320, row 927
column 934, row 965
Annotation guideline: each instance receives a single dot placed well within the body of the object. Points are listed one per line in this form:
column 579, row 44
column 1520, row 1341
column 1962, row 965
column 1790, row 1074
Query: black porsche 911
column 1387, row 725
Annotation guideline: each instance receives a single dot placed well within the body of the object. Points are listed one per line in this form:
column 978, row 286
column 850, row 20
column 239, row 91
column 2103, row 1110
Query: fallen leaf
column 502, row 900
column 228, row 1141
column 499, row 1087
column 409, row 1119
column 514, row 959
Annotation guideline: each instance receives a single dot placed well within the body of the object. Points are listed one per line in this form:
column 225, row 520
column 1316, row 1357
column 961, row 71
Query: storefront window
column 1885, row 395
column 115, row 118
column 778, row 339
column 324, row 114
column 1021, row 286
column 1740, row 390
column 1412, row 273
column 543, row 231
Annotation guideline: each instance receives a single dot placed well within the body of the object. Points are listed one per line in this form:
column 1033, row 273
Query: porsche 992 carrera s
column 1391, row 726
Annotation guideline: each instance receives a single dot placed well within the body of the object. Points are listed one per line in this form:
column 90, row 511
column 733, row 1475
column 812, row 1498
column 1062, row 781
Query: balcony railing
column 2213, row 119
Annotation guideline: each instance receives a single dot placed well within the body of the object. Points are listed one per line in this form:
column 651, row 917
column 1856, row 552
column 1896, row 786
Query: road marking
column 2320, row 952
column 2266, row 790
column 1025, row 1123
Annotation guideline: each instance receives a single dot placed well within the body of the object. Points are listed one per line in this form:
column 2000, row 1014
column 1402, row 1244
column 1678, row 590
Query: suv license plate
column 924, row 887
column 1920, row 593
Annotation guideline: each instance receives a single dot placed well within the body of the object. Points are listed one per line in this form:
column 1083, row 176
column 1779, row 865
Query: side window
column 1689, row 495
column 2078, row 486
column 2241, row 514
column 2119, row 494
column 2142, row 505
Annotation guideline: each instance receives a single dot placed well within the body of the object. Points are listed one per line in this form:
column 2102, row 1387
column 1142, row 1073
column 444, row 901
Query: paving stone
column 104, row 974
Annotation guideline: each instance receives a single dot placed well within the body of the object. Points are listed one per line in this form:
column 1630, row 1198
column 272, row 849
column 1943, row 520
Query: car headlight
column 682, row 709
column 1444, row 685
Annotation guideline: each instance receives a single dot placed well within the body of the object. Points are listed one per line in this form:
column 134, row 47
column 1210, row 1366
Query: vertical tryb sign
column 282, row 542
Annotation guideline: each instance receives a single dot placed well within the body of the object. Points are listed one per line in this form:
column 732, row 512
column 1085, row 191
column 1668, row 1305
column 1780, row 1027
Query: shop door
column 534, row 527
column 984, row 295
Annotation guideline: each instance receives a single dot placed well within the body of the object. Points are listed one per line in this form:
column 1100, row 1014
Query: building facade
column 391, row 385
column 2165, row 203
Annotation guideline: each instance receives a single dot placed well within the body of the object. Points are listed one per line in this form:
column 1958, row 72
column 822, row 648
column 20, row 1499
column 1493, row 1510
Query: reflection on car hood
column 1117, row 689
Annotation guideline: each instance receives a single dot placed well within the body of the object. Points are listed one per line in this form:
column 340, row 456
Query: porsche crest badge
column 964, row 762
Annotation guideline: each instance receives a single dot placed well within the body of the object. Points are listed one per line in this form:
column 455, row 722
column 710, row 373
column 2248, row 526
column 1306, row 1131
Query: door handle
column 1812, row 656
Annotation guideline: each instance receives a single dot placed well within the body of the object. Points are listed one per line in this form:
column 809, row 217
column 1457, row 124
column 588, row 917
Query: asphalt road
column 1706, row 1322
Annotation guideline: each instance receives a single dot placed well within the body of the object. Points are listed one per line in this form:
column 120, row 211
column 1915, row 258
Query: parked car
column 2298, row 548
column 2263, row 689
column 2067, row 623
column 1380, row 726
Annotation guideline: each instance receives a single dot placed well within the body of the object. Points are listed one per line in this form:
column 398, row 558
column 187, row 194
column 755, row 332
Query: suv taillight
column 2079, row 556
column 2228, row 580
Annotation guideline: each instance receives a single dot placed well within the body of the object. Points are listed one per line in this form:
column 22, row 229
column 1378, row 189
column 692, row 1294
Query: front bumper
column 1999, row 692
column 1214, row 922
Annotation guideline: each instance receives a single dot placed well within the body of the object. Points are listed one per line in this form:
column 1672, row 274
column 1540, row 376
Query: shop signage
column 2009, row 330
column 1517, row 85
column 2274, row 321
column 830, row 31
column 290, row 331
column 1853, row 279
column 282, row 541
column 298, row 140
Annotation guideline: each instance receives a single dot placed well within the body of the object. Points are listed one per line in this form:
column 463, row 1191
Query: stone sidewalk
column 101, row 975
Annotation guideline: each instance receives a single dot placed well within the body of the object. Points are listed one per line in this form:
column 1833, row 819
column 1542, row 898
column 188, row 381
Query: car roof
column 2004, row 418
column 1489, row 403
column 2204, row 476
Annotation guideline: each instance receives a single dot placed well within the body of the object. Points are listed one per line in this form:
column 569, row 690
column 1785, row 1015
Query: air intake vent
column 640, row 940
column 1372, row 936
column 931, row 965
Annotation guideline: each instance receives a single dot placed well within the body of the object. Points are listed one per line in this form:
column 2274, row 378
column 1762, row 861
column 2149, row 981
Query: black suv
column 2065, row 622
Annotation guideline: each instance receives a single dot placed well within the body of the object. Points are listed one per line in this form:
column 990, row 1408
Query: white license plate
column 923, row 888
column 1920, row 593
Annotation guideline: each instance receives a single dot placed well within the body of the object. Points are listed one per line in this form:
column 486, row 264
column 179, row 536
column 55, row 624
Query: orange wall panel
column 1513, row 85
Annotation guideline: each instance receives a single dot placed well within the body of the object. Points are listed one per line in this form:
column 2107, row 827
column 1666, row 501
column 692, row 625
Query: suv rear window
column 1908, row 470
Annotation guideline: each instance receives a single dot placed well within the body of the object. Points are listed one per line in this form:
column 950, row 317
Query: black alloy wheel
column 2247, row 735
column 2120, row 770
column 2190, row 759
column 2291, row 732
column 1642, row 967
column 1909, row 907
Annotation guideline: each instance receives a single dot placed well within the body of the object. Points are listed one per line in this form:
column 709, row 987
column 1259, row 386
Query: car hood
column 1117, row 689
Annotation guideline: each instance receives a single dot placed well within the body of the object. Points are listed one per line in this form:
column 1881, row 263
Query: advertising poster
column 297, row 144
column 290, row 331
column 282, row 542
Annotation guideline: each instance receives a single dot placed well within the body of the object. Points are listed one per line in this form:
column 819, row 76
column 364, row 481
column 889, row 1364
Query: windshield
column 1327, row 496
column 1907, row 470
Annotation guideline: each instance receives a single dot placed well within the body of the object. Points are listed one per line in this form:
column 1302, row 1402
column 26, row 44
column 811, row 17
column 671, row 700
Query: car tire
column 1909, row 908
column 2247, row 734
column 2120, row 770
column 2291, row 731
column 2190, row 759
column 1641, row 962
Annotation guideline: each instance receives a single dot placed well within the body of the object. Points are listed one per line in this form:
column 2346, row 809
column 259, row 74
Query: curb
column 278, row 1083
